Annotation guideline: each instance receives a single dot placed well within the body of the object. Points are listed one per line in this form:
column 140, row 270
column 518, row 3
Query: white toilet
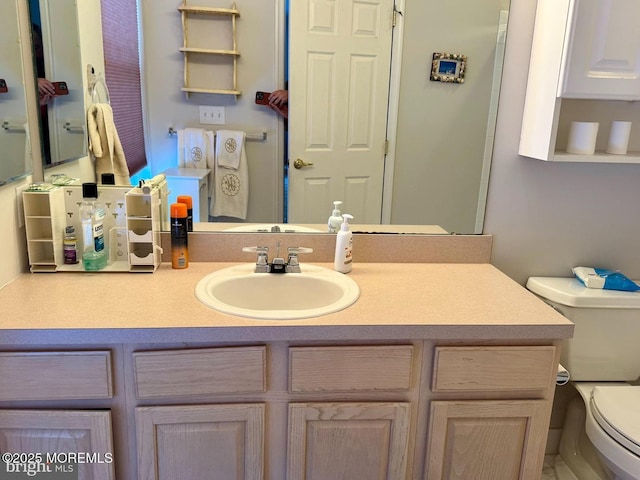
column 602, row 358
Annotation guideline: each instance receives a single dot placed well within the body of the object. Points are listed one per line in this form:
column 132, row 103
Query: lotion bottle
column 344, row 247
column 335, row 220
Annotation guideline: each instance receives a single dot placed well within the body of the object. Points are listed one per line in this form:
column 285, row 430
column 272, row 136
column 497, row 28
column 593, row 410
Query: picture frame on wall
column 448, row 67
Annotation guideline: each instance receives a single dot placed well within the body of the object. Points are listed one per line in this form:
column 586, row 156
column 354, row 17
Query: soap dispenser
column 335, row 220
column 344, row 247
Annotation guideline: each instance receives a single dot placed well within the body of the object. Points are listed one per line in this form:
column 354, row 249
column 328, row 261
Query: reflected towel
column 104, row 144
column 563, row 376
column 229, row 146
column 231, row 191
column 196, row 150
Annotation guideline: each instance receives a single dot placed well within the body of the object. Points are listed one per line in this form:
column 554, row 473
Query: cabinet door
column 603, row 58
column 487, row 439
column 348, row 441
column 62, row 432
column 201, row 442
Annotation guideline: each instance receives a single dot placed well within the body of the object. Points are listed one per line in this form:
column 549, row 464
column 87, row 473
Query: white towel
column 104, row 144
column 229, row 147
column 196, row 149
column 231, row 192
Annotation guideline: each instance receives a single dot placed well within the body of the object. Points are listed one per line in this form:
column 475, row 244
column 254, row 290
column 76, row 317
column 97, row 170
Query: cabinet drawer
column 347, row 369
column 200, row 372
column 55, row 375
column 493, row 368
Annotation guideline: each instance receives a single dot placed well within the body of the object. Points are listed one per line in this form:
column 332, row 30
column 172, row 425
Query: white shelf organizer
column 143, row 229
column 48, row 213
column 583, row 63
column 44, row 217
column 189, row 50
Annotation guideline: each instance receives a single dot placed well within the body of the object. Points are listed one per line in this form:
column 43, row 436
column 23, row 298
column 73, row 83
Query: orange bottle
column 179, row 236
column 188, row 201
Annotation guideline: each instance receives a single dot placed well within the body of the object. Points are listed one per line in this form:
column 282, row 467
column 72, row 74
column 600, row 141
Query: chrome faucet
column 292, row 260
column 278, row 264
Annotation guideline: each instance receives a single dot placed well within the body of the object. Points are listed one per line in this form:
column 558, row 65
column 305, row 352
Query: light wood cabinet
column 486, row 439
column 55, row 401
column 200, row 442
column 61, row 432
column 286, row 411
column 345, row 441
column 584, row 60
column 489, row 414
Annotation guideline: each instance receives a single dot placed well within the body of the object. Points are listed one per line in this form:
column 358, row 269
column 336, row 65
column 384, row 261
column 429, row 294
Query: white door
column 339, row 61
column 603, row 59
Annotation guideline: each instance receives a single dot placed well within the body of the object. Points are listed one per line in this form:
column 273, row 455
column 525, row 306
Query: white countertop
column 397, row 301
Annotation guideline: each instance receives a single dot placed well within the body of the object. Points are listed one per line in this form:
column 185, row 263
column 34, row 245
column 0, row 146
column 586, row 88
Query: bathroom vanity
column 439, row 370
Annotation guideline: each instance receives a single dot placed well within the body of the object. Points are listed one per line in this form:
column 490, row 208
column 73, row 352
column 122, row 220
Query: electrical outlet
column 211, row 115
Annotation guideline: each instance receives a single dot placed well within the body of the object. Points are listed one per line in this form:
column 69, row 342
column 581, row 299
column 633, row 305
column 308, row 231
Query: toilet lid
column 617, row 411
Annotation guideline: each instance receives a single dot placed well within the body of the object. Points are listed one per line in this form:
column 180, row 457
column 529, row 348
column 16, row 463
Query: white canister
column 582, row 138
column 619, row 137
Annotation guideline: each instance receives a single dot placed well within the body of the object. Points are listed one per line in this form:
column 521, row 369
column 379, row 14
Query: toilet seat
column 615, row 409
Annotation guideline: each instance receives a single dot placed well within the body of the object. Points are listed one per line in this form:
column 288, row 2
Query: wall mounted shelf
column 573, row 77
column 189, row 50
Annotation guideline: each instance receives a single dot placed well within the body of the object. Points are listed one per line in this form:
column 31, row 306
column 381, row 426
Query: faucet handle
column 299, row 250
column 262, row 261
column 292, row 260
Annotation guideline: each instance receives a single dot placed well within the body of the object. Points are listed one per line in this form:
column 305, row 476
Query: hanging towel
column 104, row 144
column 229, row 146
column 231, row 192
column 196, row 149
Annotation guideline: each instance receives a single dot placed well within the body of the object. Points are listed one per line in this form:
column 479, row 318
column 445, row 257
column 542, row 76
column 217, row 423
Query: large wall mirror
column 56, row 52
column 15, row 156
column 444, row 137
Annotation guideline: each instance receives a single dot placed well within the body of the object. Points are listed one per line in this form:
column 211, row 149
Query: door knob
column 299, row 163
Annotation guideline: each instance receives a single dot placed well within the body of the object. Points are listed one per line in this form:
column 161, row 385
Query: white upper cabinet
column 602, row 50
column 585, row 58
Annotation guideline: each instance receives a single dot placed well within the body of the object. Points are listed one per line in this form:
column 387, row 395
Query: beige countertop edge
column 397, row 301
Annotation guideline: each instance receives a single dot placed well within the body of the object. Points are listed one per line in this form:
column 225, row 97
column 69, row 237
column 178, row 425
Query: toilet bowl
column 600, row 438
column 601, row 435
column 613, row 426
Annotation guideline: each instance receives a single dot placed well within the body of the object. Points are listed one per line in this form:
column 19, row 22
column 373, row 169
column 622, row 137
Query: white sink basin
column 271, row 227
column 239, row 291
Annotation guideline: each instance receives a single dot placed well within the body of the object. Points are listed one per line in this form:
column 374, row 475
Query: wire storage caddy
column 190, row 50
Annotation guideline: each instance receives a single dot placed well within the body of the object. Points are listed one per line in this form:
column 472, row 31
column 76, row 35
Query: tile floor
column 547, row 470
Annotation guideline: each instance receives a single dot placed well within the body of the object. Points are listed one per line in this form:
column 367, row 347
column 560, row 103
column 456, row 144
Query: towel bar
column 9, row 126
column 257, row 136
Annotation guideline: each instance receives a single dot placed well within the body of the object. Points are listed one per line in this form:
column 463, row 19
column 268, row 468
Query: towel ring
column 94, row 81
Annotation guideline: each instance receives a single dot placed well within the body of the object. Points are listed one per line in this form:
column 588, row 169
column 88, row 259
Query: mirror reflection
column 435, row 171
column 15, row 159
column 56, row 51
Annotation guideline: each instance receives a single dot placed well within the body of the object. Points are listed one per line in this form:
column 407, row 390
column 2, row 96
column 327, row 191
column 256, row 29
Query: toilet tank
column 606, row 340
